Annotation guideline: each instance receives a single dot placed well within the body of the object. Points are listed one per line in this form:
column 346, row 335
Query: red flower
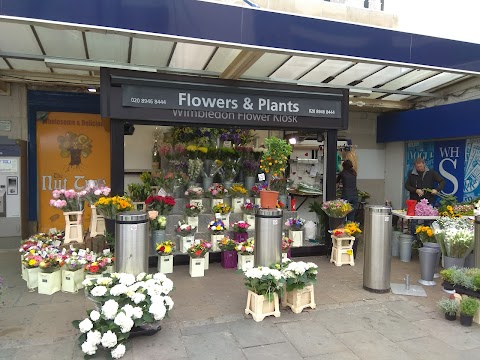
column 149, row 200
column 198, row 252
column 162, row 248
column 94, row 268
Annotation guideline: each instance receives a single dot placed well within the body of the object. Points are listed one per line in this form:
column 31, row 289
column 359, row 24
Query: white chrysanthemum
column 110, row 309
column 141, row 276
column 118, row 352
column 137, row 312
column 104, row 281
column 94, row 337
column 98, row 290
column 109, row 339
column 159, row 277
column 167, row 286
column 128, row 309
column 157, row 299
column 87, row 282
column 118, row 289
column 158, row 310
column 137, row 298
column 85, row 326
column 127, row 279
column 125, row 322
column 134, row 287
column 168, row 302
column 89, row 348
column 94, row 315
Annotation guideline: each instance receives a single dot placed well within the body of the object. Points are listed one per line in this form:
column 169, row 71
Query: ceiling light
column 92, row 90
column 91, row 65
column 292, row 140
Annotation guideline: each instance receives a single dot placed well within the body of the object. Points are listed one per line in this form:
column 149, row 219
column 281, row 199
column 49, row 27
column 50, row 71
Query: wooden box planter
column 197, row 267
column 299, row 299
column 49, row 283
column 259, row 307
column 250, row 220
column 237, row 203
column 296, row 236
column 72, row 280
column 342, row 251
column 97, row 223
column 165, row 264
column 245, row 262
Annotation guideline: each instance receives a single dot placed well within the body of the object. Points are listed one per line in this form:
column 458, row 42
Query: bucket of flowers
column 424, row 233
column 162, row 204
column 238, row 193
column 300, row 277
column 195, row 194
column 165, row 252
column 93, row 268
column 73, row 273
column 228, row 254
column 186, row 234
column 197, row 254
column 50, row 276
column 245, row 252
column 217, row 228
column 240, row 229
column 223, row 211
column 286, row 247
column 191, row 212
column 295, row 230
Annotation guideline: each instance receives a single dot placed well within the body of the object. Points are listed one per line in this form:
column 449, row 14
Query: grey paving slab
column 344, row 355
column 272, row 352
column 337, row 322
column 8, row 354
column 58, row 350
column 432, row 348
column 214, row 346
column 407, row 310
column 311, row 338
column 452, row 333
column 249, row 333
column 392, row 326
column 371, row 345
column 203, row 329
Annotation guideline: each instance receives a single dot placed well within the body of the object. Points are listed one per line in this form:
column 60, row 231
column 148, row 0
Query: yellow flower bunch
column 165, row 248
column 449, row 212
column 202, row 149
column 222, row 208
column 110, row 206
column 238, row 190
column 352, row 228
column 425, row 233
column 192, row 148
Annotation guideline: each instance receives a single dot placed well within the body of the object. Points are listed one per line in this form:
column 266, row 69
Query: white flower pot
column 197, row 202
column 250, row 219
column 237, row 203
column 72, row 280
column 165, row 264
column 31, row 276
column 215, row 239
column 260, row 307
column 207, row 261
column 197, row 267
column 49, row 283
column 245, row 262
column 186, row 242
column 298, row 300
column 192, row 221
column 296, row 236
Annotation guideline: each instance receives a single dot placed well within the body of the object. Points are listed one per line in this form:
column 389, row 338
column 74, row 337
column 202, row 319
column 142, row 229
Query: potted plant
column 286, row 247
column 165, row 252
column 217, row 229
column 300, row 277
column 73, row 273
column 273, row 162
column 50, row 276
column 238, row 193
column 468, row 308
column 248, row 210
column 256, row 189
column 197, row 259
column 245, row 252
column 186, row 233
column 449, row 308
column 240, row 229
column 192, row 211
column 158, row 224
column 229, row 254
column 295, row 230
column 222, row 211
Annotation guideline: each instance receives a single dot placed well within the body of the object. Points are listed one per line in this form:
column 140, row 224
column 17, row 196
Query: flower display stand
column 228, row 259
column 97, row 223
column 139, row 206
column 31, row 276
column 260, row 307
column 192, row 221
column 342, row 251
column 72, row 280
column 215, row 239
column 245, row 262
column 207, row 261
column 73, row 226
column 49, row 283
column 216, row 202
column 165, row 264
column 237, row 203
column 196, row 202
column 240, row 237
column 186, row 242
column 296, row 236
column 299, row 299
column 197, row 267
column 250, row 220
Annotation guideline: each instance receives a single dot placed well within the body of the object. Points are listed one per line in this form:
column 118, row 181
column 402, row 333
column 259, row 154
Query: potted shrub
column 273, row 162
column 300, row 277
column 165, row 252
column 295, row 230
column 217, row 228
column 228, row 255
column 449, row 308
column 447, row 276
column 468, row 308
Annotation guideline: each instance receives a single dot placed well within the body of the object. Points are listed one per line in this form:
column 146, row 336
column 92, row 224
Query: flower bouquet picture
column 300, row 277
column 217, row 229
column 240, row 229
column 186, row 234
column 245, row 251
column 238, row 193
column 191, row 212
column 197, row 259
column 228, row 256
column 295, row 230
column 165, row 252
column 248, row 210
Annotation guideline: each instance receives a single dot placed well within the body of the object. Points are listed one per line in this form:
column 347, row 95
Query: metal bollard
column 407, row 282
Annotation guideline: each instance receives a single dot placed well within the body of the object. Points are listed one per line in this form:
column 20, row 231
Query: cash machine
column 13, row 181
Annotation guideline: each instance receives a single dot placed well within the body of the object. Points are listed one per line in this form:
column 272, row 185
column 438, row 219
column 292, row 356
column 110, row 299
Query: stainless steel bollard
column 268, row 236
column 378, row 248
column 131, row 244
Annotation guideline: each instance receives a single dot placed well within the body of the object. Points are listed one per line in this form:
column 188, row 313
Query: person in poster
column 421, row 177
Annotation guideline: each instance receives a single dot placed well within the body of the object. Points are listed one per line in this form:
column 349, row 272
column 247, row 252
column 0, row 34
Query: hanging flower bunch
column 237, row 190
column 295, row 224
column 216, row 226
column 198, row 250
column 184, row 229
column 299, row 274
column 194, row 192
column 222, row 209
column 425, row 234
column 68, row 200
column 247, row 247
column 217, row 191
column 192, row 210
column 109, row 207
column 249, row 208
column 264, row 281
column 286, row 244
column 165, row 248
column 337, row 208
column 423, row 208
column 227, row 244
column 259, row 187
column 162, row 204
column 124, row 301
column 240, row 226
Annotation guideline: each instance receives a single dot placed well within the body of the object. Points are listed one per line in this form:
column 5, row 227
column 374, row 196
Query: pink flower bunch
column 59, row 204
column 240, row 226
column 217, row 190
column 423, row 208
column 93, row 194
column 67, row 200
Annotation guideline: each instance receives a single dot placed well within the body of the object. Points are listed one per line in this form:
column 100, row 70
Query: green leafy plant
column 469, row 306
column 264, row 281
column 274, row 160
column 447, row 275
column 448, row 306
column 138, row 192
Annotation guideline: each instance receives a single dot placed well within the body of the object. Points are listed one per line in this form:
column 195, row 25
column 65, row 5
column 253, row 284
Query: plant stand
column 196, row 202
column 72, row 280
column 97, row 223
column 197, row 267
column 342, row 251
column 31, row 276
column 192, row 221
column 259, row 307
column 165, row 264
column 245, row 262
column 228, row 259
column 73, row 226
column 49, row 283
column 215, row 239
column 299, row 299
column 237, row 203
column 296, row 236
column 139, row 206
column 250, row 220
column 186, row 242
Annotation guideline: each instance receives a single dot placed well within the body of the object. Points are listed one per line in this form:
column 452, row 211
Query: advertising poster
column 71, row 149
column 414, row 150
column 449, row 163
column 471, row 187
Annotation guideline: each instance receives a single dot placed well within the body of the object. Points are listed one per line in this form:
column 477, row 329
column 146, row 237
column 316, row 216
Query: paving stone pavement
column 208, row 321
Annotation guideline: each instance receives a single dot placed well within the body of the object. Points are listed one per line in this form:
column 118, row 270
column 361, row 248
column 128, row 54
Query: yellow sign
column 71, row 149
column 349, row 252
